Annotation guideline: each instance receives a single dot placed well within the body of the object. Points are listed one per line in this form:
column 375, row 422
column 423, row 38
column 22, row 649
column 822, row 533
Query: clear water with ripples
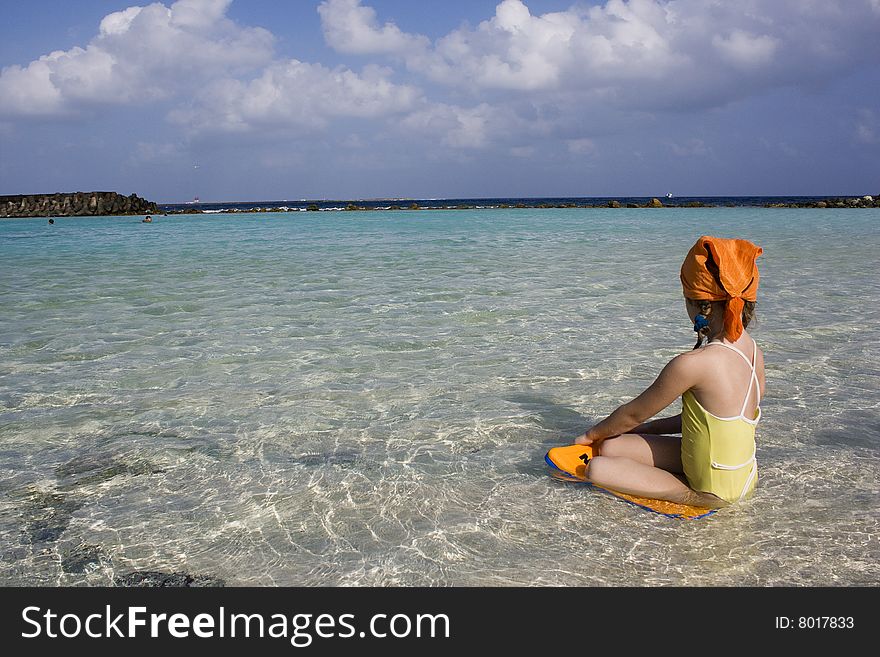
column 365, row 398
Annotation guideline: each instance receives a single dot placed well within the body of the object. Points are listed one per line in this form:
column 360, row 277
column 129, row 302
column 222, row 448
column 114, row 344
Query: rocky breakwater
column 868, row 201
column 75, row 204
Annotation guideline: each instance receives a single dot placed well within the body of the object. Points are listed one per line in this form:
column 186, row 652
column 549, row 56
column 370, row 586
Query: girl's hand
column 587, row 439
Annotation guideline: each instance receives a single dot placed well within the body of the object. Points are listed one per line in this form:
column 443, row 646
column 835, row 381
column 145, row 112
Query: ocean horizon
column 502, row 202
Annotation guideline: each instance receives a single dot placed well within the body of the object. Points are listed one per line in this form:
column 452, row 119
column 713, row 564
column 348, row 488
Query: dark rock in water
column 867, row 201
column 613, row 204
column 47, row 532
column 655, row 203
column 156, row 579
column 47, row 515
column 74, row 204
column 341, row 459
column 80, row 558
column 632, row 205
column 97, row 468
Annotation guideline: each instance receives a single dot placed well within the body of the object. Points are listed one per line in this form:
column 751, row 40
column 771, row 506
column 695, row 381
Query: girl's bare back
column 722, row 390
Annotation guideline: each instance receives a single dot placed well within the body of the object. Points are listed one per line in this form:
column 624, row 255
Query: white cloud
column 29, row 90
column 351, row 28
column 199, row 15
column 640, row 54
column 459, row 127
column 221, row 75
column 571, row 76
column 296, row 95
column 222, row 72
column 512, row 50
column 520, row 51
column 140, row 54
column 743, row 49
column 118, row 22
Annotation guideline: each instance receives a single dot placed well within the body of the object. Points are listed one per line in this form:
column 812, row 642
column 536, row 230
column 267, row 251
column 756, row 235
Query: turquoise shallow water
column 366, row 398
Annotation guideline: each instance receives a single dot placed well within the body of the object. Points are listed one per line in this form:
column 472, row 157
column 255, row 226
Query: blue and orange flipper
column 571, row 460
column 569, row 463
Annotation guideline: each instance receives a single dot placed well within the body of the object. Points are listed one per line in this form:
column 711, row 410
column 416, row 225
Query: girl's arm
column 664, row 425
column 680, row 374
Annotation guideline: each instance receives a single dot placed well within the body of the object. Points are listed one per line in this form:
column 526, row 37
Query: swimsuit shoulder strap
column 742, row 355
column 751, row 363
column 754, row 373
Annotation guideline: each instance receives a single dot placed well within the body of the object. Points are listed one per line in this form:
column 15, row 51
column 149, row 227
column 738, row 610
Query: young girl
column 721, row 385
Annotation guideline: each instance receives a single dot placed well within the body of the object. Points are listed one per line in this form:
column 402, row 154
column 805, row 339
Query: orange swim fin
column 571, row 460
column 569, row 463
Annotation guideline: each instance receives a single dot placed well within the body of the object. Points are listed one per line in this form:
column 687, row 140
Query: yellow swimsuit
column 718, row 453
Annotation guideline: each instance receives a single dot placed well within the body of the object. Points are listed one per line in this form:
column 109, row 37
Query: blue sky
column 264, row 100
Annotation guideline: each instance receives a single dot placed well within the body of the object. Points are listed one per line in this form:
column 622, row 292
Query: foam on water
column 366, row 399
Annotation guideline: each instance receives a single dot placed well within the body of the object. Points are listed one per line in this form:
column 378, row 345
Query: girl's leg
column 659, row 451
column 625, row 475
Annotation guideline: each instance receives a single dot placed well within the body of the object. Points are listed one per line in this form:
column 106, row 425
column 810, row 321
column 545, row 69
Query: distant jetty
column 870, row 201
column 486, row 204
column 76, row 204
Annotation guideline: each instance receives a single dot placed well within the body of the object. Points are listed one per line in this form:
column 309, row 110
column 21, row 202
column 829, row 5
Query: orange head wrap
column 723, row 270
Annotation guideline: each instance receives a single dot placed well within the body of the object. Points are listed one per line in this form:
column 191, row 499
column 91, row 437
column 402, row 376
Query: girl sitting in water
column 721, row 385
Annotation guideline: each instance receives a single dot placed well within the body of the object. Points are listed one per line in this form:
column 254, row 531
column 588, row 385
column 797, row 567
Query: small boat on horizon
column 668, row 194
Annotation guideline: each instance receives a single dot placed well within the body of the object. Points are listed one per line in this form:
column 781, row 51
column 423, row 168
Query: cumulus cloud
column 352, row 28
column 30, row 90
column 689, row 50
column 295, row 95
column 466, row 127
column 628, row 55
column 221, row 75
column 459, row 127
column 743, row 49
column 570, row 75
column 139, row 54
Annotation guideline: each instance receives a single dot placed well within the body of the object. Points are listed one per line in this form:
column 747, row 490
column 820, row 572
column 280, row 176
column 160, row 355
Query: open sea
column 366, row 398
